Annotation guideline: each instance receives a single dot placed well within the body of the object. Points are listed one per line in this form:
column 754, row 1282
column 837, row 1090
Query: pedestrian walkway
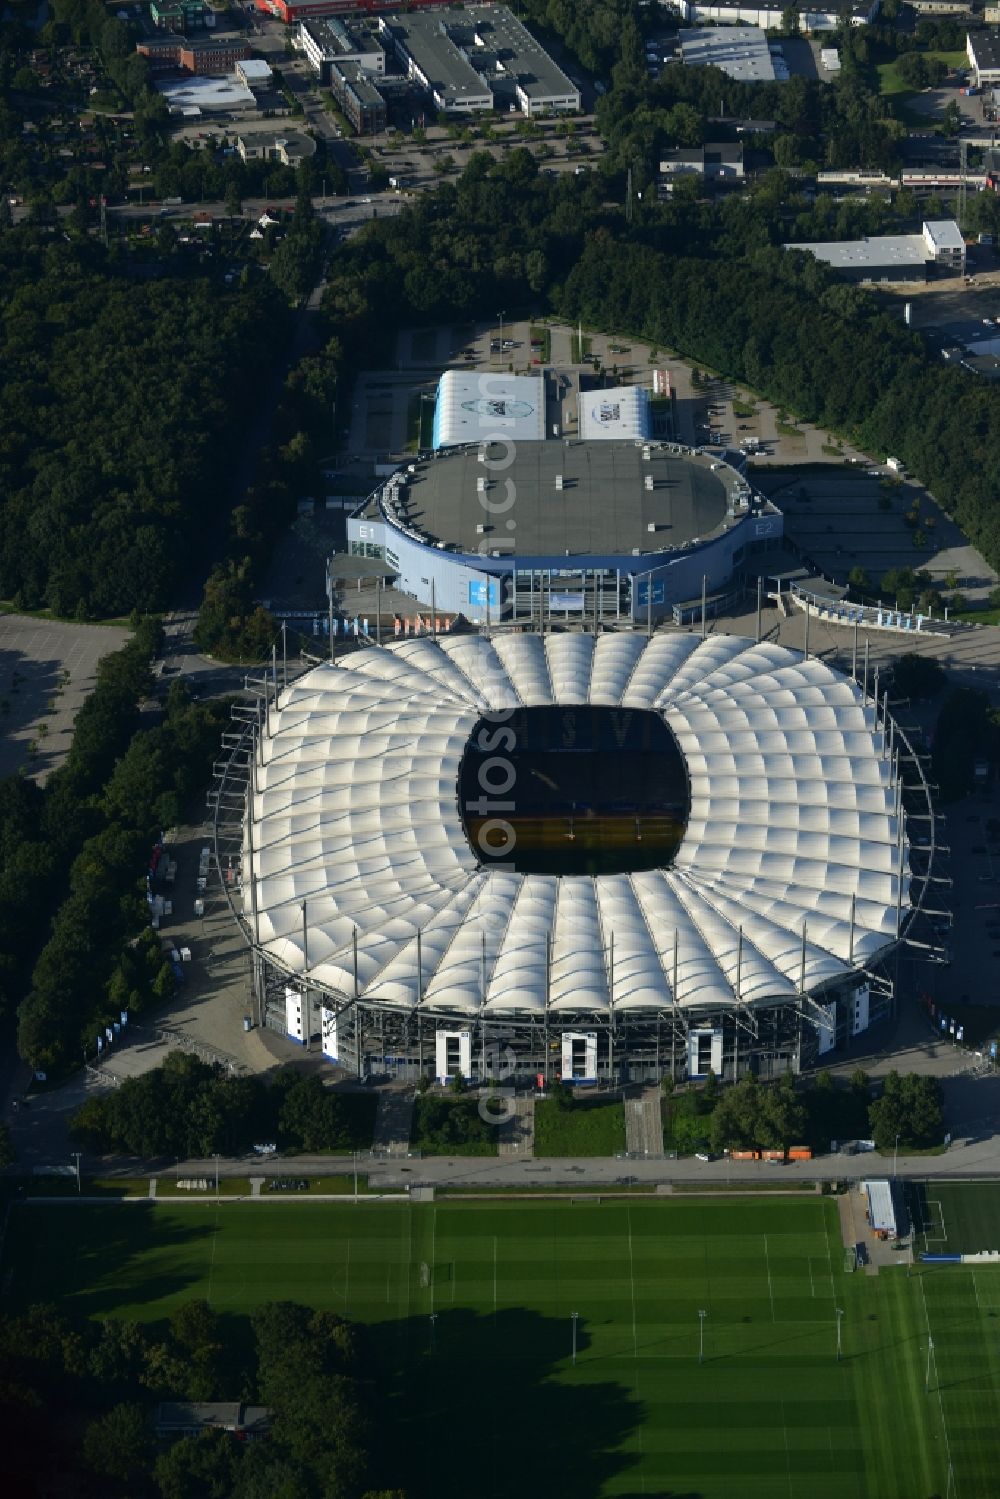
column 393, row 1121
column 517, row 1135
column 644, row 1125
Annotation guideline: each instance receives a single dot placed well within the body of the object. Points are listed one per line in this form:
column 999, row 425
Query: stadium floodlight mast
column 840, row 1312
column 574, row 1318
column 701, row 1336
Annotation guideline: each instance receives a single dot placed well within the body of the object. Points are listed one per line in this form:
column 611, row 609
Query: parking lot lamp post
column 500, row 316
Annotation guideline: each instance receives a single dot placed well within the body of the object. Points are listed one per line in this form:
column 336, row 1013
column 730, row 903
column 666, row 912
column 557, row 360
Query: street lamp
column 216, row 1176
column 701, row 1336
column 76, row 1157
column 895, row 1154
column 574, row 1317
column 500, row 315
column 840, row 1312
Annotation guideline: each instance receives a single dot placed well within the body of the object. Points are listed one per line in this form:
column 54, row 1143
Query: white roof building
column 880, row 1206
column 791, row 872
column 621, row 411
column 476, row 406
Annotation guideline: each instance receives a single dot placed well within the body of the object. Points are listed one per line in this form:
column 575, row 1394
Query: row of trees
column 752, row 1115
column 189, row 1109
column 312, row 1370
column 41, row 831
column 100, row 956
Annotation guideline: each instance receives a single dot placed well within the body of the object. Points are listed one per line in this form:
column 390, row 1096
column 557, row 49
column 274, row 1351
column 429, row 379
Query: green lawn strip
column 229, row 1186
column 542, row 338
column 587, row 1127
column 90, row 1186
column 769, row 1412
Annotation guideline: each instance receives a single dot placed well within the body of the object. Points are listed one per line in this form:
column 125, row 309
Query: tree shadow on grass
column 489, row 1404
column 90, row 1261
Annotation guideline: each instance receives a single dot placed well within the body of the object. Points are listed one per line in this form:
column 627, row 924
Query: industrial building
column 358, row 96
column 741, row 52
column 894, row 257
column 479, row 59
column 715, row 162
column 686, row 854
column 331, row 40
column 203, row 56
column 290, row 147
column 179, row 16
column 982, row 48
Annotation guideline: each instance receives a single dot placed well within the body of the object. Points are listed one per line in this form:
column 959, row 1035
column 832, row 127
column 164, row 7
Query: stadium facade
column 500, row 523
column 404, row 925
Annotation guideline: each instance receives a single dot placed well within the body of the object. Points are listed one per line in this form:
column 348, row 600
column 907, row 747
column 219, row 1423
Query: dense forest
column 121, row 413
column 313, row 1371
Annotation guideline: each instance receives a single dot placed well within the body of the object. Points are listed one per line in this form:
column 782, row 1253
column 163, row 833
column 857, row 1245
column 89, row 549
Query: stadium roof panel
column 789, row 867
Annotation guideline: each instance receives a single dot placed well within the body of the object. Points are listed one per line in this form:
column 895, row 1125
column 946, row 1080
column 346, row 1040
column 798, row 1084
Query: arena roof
column 602, row 509
column 789, row 864
column 474, row 407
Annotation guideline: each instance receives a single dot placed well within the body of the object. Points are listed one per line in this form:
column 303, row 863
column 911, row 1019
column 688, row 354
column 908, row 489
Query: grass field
column 590, row 1127
column 954, row 1217
column 486, row 1399
column 891, row 84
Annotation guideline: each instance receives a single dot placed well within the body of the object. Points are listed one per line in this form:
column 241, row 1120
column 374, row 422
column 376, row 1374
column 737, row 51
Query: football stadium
column 605, row 859
column 504, row 518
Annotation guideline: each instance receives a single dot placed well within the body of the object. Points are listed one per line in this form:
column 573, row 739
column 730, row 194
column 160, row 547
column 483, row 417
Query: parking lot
column 47, row 669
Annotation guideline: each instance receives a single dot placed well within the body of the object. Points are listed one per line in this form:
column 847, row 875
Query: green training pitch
column 954, row 1217
column 471, row 1310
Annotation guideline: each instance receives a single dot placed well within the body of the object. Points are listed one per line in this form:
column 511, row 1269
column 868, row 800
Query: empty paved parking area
column 47, row 668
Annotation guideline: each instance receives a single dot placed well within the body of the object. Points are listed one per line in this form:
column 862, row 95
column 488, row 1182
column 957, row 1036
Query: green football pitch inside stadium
column 471, row 1307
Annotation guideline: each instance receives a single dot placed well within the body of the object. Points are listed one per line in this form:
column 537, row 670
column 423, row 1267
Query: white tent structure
column 621, row 411
column 479, row 406
column 358, row 877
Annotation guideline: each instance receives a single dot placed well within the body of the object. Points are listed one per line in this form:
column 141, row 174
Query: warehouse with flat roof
column 893, row 257
column 479, row 59
column 741, row 52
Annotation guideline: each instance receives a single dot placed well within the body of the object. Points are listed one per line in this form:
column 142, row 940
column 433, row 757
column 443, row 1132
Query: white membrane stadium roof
column 792, row 829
